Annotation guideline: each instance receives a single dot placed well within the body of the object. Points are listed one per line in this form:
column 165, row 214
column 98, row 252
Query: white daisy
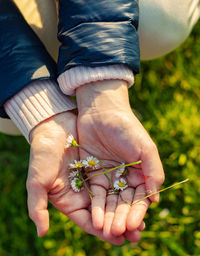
column 76, row 164
column 119, row 172
column 120, row 184
column 91, row 162
column 71, row 142
column 77, row 184
column 73, row 174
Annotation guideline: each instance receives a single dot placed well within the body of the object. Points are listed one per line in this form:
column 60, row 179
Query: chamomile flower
column 119, row 172
column 91, row 162
column 71, row 142
column 76, row 165
column 73, row 174
column 120, row 184
column 77, row 184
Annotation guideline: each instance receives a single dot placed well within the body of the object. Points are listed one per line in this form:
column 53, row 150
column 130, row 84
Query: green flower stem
column 107, row 176
column 85, row 185
column 110, row 170
column 172, row 186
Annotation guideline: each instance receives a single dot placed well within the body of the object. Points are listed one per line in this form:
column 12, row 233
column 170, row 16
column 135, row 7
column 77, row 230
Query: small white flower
column 91, row 162
column 164, row 213
column 76, row 164
column 71, row 142
column 119, row 172
column 77, row 184
column 120, row 184
column 73, row 174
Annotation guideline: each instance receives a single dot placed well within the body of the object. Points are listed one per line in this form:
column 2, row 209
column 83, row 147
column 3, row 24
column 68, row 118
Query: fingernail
column 157, row 197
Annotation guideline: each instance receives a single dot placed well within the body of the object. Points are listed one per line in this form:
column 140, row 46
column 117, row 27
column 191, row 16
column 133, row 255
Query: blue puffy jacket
column 92, row 33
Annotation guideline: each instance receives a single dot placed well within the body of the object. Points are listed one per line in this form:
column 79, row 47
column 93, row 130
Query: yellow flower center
column 121, row 184
column 92, row 163
column 78, row 164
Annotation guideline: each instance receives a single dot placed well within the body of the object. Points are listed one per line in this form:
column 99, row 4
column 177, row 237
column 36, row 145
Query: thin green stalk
column 172, row 186
column 85, row 185
column 110, row 170
column 107, row 176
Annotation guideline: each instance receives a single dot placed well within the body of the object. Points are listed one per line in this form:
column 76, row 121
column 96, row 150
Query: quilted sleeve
column 98, row 33
column 23, row 58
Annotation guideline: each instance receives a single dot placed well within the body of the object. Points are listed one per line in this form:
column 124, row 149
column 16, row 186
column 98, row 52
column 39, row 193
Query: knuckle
column 160, row 178
column 150, row 147
column 30, row 185
column 153, row 147
column 144, row 203
column 33, row 215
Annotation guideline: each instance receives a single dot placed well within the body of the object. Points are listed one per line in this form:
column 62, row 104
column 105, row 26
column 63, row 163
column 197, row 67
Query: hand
column 48, row 177
column 109, row 130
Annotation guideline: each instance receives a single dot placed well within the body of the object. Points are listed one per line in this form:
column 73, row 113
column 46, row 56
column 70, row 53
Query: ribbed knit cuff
column 71, row 79
column 35, row 103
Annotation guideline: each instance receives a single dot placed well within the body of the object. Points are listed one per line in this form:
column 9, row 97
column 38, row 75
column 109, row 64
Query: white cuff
column 73, row 78
column 35, row 103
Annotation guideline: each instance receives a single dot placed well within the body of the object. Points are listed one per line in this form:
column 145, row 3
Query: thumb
column 153, row 171
column 37, row 206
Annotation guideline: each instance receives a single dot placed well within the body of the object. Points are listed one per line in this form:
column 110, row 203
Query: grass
column 166, row 98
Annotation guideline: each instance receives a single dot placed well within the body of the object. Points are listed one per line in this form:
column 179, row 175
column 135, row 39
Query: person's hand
column 48, row 177
column 109, row 130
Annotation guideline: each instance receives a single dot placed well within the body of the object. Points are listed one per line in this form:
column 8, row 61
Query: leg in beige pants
column 165, row 24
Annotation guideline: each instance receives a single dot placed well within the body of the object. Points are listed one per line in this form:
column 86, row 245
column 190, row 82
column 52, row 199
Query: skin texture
column 48, row 179
column 109, row 130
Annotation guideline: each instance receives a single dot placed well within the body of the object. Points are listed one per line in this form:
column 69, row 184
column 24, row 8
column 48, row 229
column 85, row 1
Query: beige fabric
column 165, row 24
column 41, row 15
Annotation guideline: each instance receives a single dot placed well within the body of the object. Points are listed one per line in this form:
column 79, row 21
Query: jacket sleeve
column 23, row 58
column 98, row 33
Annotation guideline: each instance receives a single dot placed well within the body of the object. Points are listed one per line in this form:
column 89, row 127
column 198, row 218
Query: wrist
column 70, row 80
column 54, row 127
column 37, row 102
column 103, row 96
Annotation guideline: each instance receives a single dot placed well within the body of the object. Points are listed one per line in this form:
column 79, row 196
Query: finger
column 138, row 209
column 122, row 210
column 142, row 226
column 37, row 207
column 98, row 206
column 111, row 204
column 133, row 236
column 153, row 171
column 135, row 177
column 83, row 219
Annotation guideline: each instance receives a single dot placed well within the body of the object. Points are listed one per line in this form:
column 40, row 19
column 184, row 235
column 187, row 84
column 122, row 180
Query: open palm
column 114, row 135
column 48, row 177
